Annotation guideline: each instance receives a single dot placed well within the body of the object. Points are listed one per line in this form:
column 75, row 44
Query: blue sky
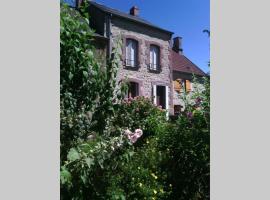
column 186, row 18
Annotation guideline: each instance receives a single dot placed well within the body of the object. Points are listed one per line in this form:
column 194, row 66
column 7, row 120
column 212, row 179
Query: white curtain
column 131, row 53
column 154, row 57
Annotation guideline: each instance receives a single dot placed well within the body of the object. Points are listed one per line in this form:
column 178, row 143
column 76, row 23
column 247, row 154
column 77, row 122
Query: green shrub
column 141, row 113
column 188, row 146
column 169, row 161
column 138, row 176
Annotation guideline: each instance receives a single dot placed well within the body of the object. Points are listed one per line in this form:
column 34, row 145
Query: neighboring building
column 152, row 63
column 183, row 72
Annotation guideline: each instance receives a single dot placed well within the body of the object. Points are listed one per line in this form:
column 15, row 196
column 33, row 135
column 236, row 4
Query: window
column 180, row 83
column 154, row 57
column 133, row 89
column 188, row 86
column 177, row 109
column 131, row 53
column 177, row 85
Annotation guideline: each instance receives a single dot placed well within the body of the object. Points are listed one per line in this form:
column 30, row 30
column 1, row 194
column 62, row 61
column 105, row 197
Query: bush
column 141, row 113
column 139, row 176
column 188, row 146
column 98, row 161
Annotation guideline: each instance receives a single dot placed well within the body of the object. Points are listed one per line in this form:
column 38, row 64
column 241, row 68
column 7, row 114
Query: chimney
column 177, row 45
column 134, row 11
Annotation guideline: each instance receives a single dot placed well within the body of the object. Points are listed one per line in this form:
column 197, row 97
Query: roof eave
column 154, row 27
column 190, row 73
column 130, row 19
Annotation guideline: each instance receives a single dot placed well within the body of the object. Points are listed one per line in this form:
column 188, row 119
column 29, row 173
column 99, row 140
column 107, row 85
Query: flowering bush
column 133, row 137
column 188, row 145
column 126, row 150
column 139, row 112
column 140, row 176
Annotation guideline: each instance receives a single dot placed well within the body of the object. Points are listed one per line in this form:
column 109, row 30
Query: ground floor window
column 177, row 109
column 161, row 96
column 133, row 89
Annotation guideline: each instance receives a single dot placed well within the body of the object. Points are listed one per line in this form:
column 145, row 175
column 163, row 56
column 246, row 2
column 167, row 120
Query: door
column 161, row 96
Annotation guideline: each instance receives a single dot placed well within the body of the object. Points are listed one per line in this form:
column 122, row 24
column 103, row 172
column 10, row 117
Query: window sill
column 156, row 71
column 133, row 68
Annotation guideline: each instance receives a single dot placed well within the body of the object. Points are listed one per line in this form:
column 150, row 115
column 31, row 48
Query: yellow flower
column 140, row 184
column 147, row 141
column 139, row 168
column 155, row 191
column 152, row 174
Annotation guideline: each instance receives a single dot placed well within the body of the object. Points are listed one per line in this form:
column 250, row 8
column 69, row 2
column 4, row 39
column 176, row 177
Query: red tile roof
column 182, row 64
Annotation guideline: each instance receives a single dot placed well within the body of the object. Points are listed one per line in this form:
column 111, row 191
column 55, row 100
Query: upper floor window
column 181, row 85
column 188, row 86
column 131, row 53
column 154, row 57
column 177, row 85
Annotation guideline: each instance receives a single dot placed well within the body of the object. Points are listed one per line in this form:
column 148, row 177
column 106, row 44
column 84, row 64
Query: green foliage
column 139, row 113
column 140, row 176
column 86, row 88
column 188, row 145
column 170, row 161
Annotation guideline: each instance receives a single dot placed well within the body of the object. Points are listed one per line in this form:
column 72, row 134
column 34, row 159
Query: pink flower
column 138, row 132
column 133, row 137
column 127, row 132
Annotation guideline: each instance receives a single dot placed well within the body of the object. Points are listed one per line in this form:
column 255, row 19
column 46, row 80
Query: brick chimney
column 177, row 45
column 134, row 11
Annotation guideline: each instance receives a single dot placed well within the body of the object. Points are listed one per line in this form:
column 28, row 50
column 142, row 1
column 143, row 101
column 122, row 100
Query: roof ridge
column 123, row 14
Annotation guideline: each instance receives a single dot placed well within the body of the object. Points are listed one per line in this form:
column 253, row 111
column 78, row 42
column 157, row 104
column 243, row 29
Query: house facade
column 152, row 62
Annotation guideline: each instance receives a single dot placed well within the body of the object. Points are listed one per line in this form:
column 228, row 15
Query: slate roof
column 181, row 63
column 127, row 16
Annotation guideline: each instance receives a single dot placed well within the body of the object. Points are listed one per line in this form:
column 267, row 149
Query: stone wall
column 144, row 36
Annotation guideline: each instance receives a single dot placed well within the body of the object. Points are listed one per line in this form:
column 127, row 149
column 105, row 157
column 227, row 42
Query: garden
column 118, row 148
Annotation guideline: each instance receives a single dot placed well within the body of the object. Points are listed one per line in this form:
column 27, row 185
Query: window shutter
column 188, row 86
column 167, row 101
column 177, row 85
column 154, row 95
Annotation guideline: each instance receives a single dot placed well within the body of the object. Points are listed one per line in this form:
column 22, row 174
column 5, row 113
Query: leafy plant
column 188, row 145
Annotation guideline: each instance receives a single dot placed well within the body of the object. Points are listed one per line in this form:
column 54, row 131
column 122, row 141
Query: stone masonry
column 145, row 36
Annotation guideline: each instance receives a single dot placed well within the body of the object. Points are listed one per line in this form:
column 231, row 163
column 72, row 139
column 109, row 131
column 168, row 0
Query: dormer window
column 154, row 64
column 131, row 53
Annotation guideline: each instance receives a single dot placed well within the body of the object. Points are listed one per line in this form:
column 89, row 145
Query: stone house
column 152, row 62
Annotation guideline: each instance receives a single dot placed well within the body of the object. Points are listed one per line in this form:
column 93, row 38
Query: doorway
column 161, row 96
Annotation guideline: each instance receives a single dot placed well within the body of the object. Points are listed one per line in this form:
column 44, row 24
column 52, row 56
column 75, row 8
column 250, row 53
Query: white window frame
column 154, row 57
column 131, row 52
